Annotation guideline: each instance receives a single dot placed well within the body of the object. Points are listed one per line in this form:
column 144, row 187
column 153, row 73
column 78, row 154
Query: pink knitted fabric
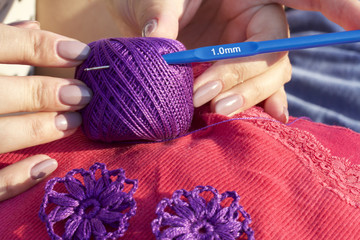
column 297, row 182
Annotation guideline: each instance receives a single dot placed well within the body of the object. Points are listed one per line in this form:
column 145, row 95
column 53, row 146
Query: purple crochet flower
column 187, row 215
column 89, row 208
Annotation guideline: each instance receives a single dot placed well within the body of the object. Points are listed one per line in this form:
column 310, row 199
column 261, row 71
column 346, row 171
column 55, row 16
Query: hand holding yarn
column 51, row 99
column 231, row 86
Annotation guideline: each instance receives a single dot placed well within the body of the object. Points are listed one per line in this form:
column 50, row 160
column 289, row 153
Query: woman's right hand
column 49, row 103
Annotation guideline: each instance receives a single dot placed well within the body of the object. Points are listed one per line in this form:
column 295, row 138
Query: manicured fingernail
column 206, row 92
column 149, row 28
column 44, row 168
column 229, row 105
column 26, row 24
column 67, row 121
column 73, row 50
column 75, row 95
column 285, row 115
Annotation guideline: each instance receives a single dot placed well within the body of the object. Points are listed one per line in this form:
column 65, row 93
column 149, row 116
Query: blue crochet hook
column 244, row 49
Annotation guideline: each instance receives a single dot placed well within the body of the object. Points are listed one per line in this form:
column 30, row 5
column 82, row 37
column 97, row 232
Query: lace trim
column 337, row 174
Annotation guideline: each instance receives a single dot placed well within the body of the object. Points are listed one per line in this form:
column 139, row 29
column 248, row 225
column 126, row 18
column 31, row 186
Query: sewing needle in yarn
column 96, row 68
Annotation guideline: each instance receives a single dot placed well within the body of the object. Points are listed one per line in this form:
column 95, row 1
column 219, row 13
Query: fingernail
column 206, row 92
column 285, row 115
column 229, row 105
column 43, row 168
column 149, row 28
column 26, row 24
column 73, row 50
column 75, row 95
column 67, row 121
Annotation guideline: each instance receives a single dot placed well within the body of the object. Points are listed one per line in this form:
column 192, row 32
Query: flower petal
column 110, row 190
column 174, row 221
column 89, row 182
column 229, row 230
column 109, row 216
column 62, row 199
column 212, row 207
column 220, row 216
column 60, row 213
column 198, row 205
column 188, row 236
column 76, row 189
column 99, row 186
column 84, row 230
column 174, row 232
column 71, row 227
column 112, row 199
column 184, row 212
column 98, row 228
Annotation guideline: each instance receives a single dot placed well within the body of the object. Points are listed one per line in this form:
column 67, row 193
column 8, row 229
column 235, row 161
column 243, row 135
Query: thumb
column 160, row 18
column 22, row 175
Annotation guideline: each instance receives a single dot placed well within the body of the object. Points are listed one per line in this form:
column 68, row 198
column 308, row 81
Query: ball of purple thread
column 140, row 96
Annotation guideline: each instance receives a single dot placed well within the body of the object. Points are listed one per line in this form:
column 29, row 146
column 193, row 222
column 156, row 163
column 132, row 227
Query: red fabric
column 293, row 184
column 342, row 141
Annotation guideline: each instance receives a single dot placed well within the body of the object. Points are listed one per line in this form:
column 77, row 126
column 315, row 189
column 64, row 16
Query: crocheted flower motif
column 87, row 207
column 187, row 215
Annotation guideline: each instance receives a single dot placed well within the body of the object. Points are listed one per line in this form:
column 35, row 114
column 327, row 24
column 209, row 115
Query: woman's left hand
column 231, row 85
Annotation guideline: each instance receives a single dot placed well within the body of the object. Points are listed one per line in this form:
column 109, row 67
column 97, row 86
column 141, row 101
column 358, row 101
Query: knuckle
column 35, row 130
column 287, row 71
column 8, row 186
column 235, row 75
column 39, row 95
column 33, row 48
column 258, row 93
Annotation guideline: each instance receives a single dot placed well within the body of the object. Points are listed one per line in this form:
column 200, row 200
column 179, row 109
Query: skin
column 37, row 94
column 199, row 23
column 256, row 79
column 213, row 22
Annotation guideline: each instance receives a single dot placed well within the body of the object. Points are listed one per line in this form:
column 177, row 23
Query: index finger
column 39, row 48
column 269, row 23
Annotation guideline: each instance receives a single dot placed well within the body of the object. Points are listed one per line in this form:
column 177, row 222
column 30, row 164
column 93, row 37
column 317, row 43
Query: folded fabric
column 297, row 181
column 325, row 83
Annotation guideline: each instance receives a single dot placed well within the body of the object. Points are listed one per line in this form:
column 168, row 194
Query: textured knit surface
column 296, row 182
column 139, row 96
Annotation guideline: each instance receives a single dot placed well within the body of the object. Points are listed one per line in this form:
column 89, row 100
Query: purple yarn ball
column 140, row 96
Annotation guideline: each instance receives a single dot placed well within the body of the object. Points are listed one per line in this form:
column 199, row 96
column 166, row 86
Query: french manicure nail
column 229, row 105
column 149, row 28
column 206, row 92
column 73, row 50
column 75, row 95
column 43, row 168
column 67, row 121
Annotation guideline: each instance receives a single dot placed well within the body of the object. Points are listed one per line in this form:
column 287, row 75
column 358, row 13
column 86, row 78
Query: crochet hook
column 244, row 49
